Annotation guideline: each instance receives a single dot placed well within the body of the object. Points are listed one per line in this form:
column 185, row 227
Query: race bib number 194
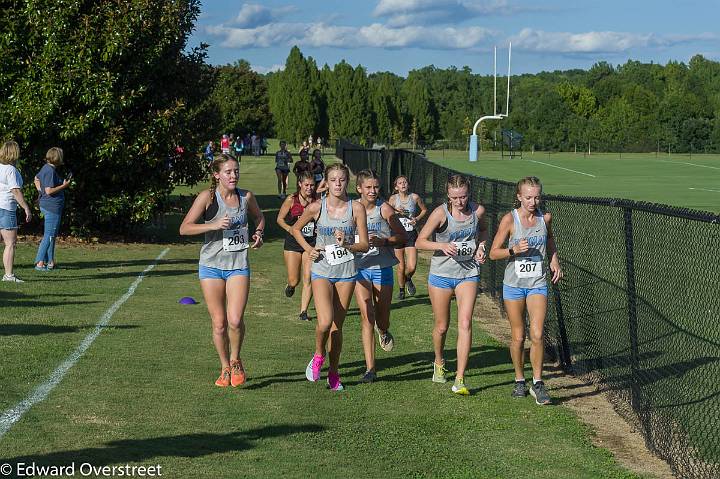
column 336, row 254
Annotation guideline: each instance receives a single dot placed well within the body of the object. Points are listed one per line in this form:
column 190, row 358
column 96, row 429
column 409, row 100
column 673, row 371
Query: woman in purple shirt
column 52, row 200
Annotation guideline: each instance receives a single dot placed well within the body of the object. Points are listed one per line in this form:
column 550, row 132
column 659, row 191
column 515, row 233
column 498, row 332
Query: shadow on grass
column 188, row 445
column 21, row 300
column 418, row 367
column 73, row 265
column 40, row 329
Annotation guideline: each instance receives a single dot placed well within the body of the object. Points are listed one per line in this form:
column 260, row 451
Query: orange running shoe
column 224, row 380
column 237, row 373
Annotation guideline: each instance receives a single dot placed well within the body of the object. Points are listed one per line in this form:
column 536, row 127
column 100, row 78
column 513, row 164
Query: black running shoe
column 289, row 291
column 304, row 316
column 410, row 287
column 401, row 294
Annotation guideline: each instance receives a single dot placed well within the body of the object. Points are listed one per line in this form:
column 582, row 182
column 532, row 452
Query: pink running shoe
column 312, row 372
column 333, row 381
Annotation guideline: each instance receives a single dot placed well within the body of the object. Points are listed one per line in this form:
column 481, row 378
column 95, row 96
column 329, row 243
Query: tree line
column 632, row 107
column 115, row 85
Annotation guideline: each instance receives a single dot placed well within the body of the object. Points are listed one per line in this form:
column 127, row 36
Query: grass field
column 143, row 393
column 679, row 180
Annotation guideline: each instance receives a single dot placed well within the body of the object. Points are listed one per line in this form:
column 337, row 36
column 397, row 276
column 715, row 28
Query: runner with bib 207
column 528, row 234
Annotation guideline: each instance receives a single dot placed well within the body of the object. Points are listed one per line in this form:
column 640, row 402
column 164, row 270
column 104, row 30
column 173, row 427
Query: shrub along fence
column 638, row 311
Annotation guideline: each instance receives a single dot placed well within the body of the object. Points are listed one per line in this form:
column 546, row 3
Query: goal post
column 473, row 150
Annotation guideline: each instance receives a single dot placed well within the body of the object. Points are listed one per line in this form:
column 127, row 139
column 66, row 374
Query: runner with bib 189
column 528, row 234
column 459, row 249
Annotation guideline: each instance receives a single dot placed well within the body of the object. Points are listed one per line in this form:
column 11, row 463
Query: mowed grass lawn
column 691, row 181
column 143, row 393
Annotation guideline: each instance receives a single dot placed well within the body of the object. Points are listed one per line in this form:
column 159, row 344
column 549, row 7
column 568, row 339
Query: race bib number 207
column 528, row 268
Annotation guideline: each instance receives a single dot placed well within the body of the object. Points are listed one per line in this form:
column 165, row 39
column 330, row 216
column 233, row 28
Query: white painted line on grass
column 691, row 164
column 13, row 415
column 705, row 189
column 566, row 169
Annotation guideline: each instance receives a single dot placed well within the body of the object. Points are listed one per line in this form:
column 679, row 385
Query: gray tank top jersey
column 537, row 241
column 448, row 266
column 325, row 229
column 212, row 253
column 410, row 206
column 381, row 228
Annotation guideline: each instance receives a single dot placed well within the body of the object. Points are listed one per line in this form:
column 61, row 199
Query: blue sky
column 401, row 35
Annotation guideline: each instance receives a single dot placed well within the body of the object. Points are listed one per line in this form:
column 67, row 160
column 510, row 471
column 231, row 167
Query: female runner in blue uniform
column 224, row 270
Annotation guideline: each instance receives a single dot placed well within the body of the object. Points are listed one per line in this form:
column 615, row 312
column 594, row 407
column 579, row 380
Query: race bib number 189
column 336, row 254
column 235, row 240
column 465, row 250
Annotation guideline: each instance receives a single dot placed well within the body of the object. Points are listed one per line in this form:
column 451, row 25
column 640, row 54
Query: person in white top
column 10, row 197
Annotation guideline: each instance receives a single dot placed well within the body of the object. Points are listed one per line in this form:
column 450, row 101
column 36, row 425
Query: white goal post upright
column 495, row 115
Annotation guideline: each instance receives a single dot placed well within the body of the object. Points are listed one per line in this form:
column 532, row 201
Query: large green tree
column 112, row 84
column 294, row 99
column 241, row 99
column 349, row 102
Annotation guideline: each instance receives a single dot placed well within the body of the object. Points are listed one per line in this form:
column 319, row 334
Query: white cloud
column 375, row 35
column 432, row 12
column 263, row 70
column 597, row 42
column 252, row 15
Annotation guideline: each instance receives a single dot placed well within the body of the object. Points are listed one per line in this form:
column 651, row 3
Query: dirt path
column 610, row 431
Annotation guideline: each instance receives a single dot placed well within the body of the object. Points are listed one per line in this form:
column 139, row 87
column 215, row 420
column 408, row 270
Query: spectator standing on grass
column 263, row 146
column 530, row 241
column 52, row 201
column 238, row 147
column 209, row 151
column 247, row 144
column 225, row 145
column 256, row 144
column 10, row 197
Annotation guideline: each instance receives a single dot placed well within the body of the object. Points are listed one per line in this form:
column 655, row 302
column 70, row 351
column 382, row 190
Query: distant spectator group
column 250, row 144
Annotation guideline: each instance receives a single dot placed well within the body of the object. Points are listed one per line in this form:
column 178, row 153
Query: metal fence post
column 632, row 308
column 565, row 359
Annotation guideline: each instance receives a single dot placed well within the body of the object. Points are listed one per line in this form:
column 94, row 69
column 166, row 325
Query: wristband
column 512, row 253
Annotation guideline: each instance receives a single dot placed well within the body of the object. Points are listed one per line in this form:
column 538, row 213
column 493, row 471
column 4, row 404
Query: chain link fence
column 638, row 311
